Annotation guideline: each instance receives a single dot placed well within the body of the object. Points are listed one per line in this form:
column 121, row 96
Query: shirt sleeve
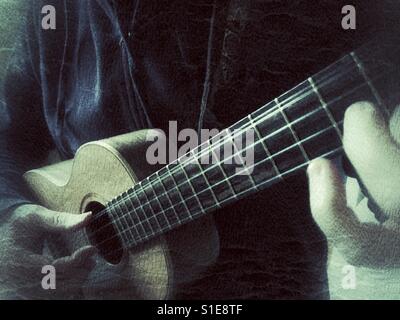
column 24, row 138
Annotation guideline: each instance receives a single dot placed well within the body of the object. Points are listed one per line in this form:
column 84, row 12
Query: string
column 262, row 116
column 260, row 119
column 148, row 203
column 192, row 216
column 276, row 108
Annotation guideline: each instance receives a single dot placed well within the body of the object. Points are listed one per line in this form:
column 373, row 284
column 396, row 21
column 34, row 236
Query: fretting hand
column 360, row 246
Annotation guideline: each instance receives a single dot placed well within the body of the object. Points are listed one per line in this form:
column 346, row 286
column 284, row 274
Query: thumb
column 60, row 221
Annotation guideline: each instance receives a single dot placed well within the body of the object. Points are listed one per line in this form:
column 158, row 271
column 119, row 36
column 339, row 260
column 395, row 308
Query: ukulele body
column 101, row 171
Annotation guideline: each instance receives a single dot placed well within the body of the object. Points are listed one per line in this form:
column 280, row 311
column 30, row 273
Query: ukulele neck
column 281, row 138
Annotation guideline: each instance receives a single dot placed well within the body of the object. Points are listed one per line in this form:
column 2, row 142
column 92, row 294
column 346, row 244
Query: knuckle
column 58, row 220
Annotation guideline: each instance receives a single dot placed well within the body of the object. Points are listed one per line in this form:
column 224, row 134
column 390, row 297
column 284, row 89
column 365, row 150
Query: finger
column 329, row 210
column 328, row 200
column 373, row 152
column 60, row 221
column 81, row 259
column 361, row 244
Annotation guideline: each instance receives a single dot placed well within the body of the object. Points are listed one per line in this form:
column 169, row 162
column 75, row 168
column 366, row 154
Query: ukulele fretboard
column 303, row 124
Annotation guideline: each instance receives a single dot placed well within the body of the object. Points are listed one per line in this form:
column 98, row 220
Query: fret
column 216, row 176
column 322, row 142
column 324, row 106
column 189, row 182
column 389, row 88
column 219, row 184
column 347, row 89
column 139, row 226
column 117, row 224
column 360, row 67
column 119, row 218
column 238, row 152
column 169, row 209
column 331, row 154
column 239, row 126
column 154, row 193
column 154, row 204
column 133, row 216
column 151, row 216
column 262, row 168
column 244, row 179
column 126, row 215
column 263, row 111
column 205, row 191
column 120, row 222
column 202, row 182
column 148, row 209
column 382, row 71
column 311, row 123
column 267, row 152
column 142, row 214
column 272, row 126
column 281, row 140
column 296, row 138
column 178, row 199
column 288, row 158
column 224, row 176
column 297, row 105
column 259, row 155
column 304, row 112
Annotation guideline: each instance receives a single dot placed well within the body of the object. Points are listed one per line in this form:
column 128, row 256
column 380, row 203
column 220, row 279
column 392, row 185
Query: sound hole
column 102, row 234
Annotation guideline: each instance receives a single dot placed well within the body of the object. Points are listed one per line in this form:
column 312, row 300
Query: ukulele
column 153, row 226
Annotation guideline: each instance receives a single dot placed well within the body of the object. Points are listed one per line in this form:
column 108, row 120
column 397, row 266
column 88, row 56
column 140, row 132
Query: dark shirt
column 112, row 67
